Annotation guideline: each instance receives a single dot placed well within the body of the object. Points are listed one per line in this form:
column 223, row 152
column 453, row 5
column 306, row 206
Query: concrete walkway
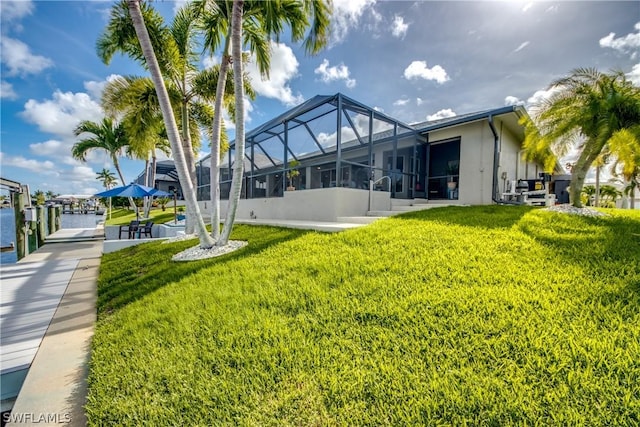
column 54, row 391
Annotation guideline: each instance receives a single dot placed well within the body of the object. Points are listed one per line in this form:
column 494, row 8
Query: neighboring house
column 338, row 145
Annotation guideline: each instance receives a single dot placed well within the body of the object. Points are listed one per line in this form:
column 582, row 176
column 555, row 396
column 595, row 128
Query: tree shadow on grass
column 489, row 216
column 607, row 248
column 132, row 273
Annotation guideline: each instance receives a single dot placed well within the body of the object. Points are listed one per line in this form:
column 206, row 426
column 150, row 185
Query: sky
column 413, row 60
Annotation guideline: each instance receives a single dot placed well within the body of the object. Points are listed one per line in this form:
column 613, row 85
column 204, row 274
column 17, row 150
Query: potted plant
column 452, row 172
column 181, row 214
column 292, row 173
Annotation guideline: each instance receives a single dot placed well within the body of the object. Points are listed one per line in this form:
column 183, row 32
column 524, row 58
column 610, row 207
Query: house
column 352, row 160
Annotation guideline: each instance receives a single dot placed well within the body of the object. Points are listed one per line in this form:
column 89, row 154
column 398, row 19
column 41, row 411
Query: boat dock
column 48, row 312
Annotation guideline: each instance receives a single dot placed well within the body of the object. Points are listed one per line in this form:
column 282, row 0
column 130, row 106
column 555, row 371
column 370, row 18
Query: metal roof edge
column 472, row 118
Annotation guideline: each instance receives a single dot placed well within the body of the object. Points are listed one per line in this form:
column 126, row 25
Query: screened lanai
column 327, row 141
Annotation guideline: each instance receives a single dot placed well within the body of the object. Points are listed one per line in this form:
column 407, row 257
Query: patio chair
column 146, row 230
column 131, row 229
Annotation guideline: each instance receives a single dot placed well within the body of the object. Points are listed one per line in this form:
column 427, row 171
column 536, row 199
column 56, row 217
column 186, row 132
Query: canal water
column 8, row 229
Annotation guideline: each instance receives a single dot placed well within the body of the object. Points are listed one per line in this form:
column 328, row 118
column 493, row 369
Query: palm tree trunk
column 147, row 175
column 189, row 226
column 579, row 173
column 214, row 168
column 238, row 167
column 116, row 165
column 597, row 199
column 169, row 121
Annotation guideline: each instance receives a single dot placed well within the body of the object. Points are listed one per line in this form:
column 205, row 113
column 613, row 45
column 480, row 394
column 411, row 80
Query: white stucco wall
column 321, row 204
column 476, row 160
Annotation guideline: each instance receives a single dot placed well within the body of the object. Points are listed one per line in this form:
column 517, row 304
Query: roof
column 432, row 125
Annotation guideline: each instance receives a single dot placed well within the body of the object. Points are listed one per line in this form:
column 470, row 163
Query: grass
column 125, row 216
column 454, row 316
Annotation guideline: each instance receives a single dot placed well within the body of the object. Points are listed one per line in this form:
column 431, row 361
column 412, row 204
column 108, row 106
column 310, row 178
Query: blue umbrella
column 160, row 193
column 130, row 190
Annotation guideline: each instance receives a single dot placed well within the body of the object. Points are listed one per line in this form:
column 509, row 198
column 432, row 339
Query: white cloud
column 95, row 88
column 420, row 101
column 347, row 14
column 6, row 91
column 335, row 73
column 522, row 46
column 210, row 61
column 14, row 10
column 627, row 44
column 178, row 4
column 62, row 114
column 399, row 28
column 401, row 102
column 552, row 9
column 442, row 114
column 419, row 69
column 540, row 96
column 284, row 67
column 19, row 60
column 80, row 174
column 32, row 165
column 512, row 100
column 47, row 148
column 526, row 7
column 634, row 75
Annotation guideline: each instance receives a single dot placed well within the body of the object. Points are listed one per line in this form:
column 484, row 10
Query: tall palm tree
column 135, row 99
column 173, row 133
column 238, row 167
column 587, row 108
column 261, row 20
column 106, row 135
column 189, row 88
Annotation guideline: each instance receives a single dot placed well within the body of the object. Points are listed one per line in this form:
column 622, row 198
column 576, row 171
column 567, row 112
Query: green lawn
column 454, row 316
column 125, row 216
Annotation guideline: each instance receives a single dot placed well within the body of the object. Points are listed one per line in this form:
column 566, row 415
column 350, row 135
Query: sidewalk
column 55, row 388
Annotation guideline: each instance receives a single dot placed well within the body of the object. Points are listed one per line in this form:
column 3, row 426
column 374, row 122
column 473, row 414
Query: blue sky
column 412, row 60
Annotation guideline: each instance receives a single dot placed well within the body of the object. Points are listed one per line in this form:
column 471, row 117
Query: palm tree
column 107, row 178
column 39, row 197
column 609, row 195
column 587, row 108
column 238, row 166
column 51, row 195
column 106, row 135
column 625, row 146
column 171, row 127
column 260, row 21
column 189, row 88
column 135, row 100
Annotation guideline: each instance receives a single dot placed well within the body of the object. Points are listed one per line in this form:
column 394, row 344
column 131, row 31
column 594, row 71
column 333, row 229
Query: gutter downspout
column 496, row 160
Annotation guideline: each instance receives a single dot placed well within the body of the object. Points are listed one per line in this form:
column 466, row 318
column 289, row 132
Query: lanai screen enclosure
column 331, row 141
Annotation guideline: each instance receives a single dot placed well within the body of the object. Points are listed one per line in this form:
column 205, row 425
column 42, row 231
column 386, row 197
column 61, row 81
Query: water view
column 8, row 229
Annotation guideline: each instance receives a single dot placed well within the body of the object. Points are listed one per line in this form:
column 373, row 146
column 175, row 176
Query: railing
column 372, row 183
